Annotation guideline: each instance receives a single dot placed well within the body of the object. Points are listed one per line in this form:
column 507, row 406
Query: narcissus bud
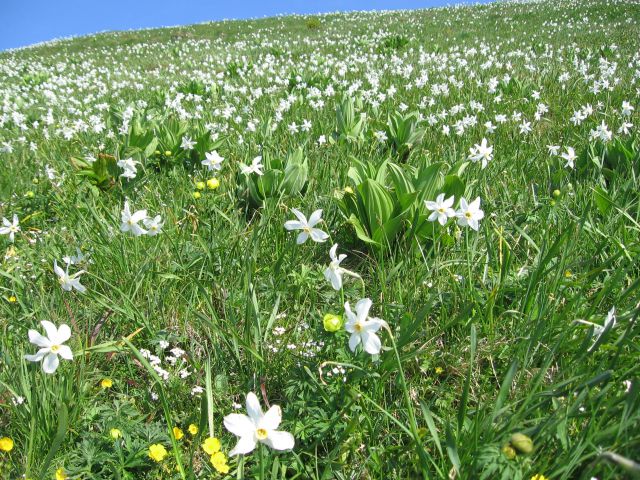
column 332, row 323
column 509, row 452
column 522, row 443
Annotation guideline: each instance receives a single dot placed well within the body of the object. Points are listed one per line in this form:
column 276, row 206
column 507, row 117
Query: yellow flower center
column 307, row 229
column 261, row 433
column 55, row 348
column 358, row 327
column 441, row 210
column 468, row 214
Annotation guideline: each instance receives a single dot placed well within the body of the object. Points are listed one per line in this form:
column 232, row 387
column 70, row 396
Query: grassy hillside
column 177, row 203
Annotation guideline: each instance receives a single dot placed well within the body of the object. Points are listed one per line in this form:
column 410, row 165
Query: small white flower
column 469, row 214
column 10, row 228
column 257, row 427
column 213, row 161
column 68, row 282
column 570, row 156
column 363, row 328
column 334, row 272
column 481, row 153
column 129, row 167
column 255, row 167
column 441, row 209
column 50, row 346
column 187, row 143
column 307, row 227
column 154, row 225
column 130, row 221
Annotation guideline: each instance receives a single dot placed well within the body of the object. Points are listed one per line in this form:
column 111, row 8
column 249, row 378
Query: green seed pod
column 556, row 193
column 522, row 443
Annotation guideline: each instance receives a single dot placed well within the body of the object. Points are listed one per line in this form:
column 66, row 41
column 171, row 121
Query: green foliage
column 102, row 173
column 282, row 177
column 351, row 123
column 387, row 200
column 404, row 133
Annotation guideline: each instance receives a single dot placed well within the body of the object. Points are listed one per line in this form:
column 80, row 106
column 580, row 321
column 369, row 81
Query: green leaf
column 602, row 200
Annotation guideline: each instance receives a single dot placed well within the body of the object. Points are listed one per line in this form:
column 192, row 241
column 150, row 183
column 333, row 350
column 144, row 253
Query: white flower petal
column 39, row 340
column 292, row 225
column 354, row 341
column 245, row 445
column 362, row 308
column 271, row 419
column 52, row 331
column 238, row 424
column 371, row 342
column 315, row 217
column 280, row 440
column 65, row 352
column 254, row 410
column 50, row 363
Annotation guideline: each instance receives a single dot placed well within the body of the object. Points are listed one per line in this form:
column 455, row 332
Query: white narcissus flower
column 363, row 328
column 441, row 209
column 129, row 167
column 50, row 346
column 570, row 156
column 10, row 228
column 213, row 161
column 307, row 227
column 187, row 143
column 481, row 153
column 154, row 225
column 334, row 272
column 130, row 221
column 255, row 167
column 257, row 427
column 68, row 282
column 469, row 214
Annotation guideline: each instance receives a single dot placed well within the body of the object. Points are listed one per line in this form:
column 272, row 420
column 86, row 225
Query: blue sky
column 24, row 22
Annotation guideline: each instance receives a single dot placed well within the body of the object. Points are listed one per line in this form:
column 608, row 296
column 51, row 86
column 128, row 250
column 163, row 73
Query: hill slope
column 173, row 196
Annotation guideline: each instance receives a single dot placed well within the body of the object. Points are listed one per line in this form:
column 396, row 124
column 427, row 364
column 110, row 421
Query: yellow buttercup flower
column 213, row 183
column 60, row 475
column 219, row 462
column 200, row 185
column 439, row 370
column 177, row 433
column 115, row 433
column 193, row 429
column 211, row 445
column 196, row 195
column 12, row 299
column 106, row 383
column 157, row 452
column 6, row 444
column 539, row 476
